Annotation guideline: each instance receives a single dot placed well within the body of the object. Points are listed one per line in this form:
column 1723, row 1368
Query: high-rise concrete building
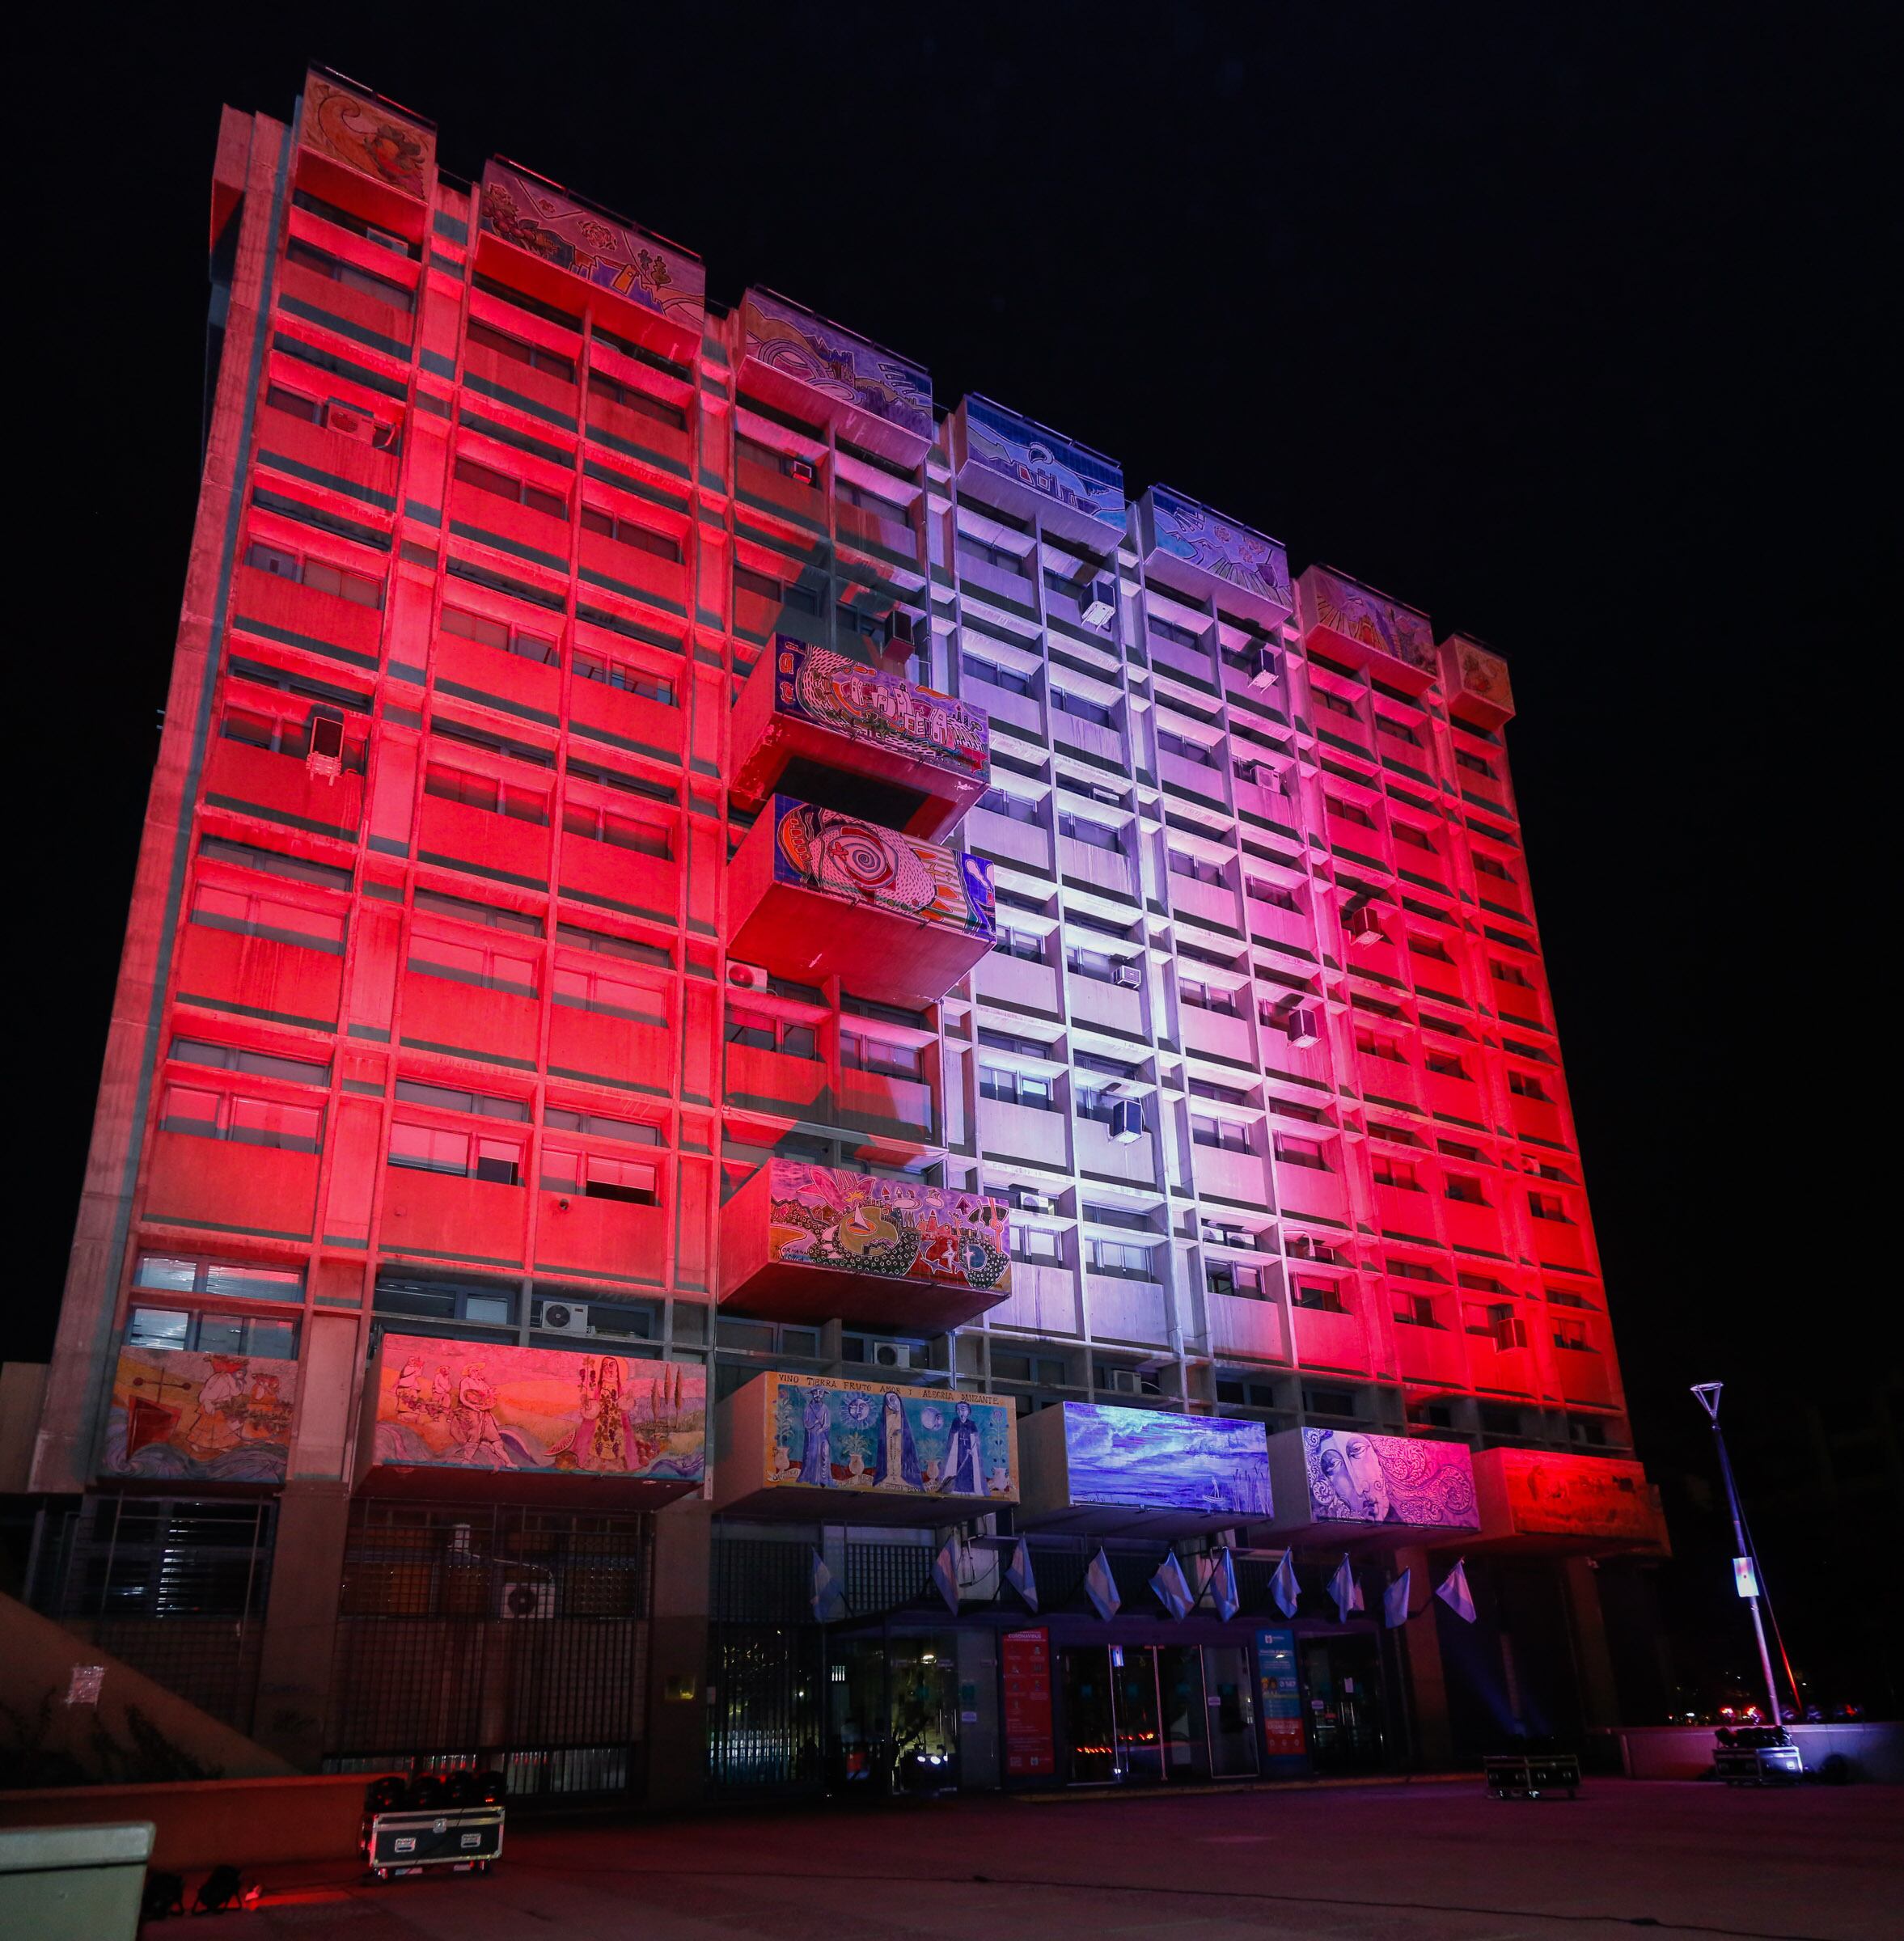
column 755, row 1008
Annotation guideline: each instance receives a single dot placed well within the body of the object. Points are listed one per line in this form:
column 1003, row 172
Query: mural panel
column 1249, row 560
column 882, row 710
column 837, row 361
column 1355, row 1477
column 1043, row 462
column 471, row 1405
column 186, row 1417
column 364, row 134
column 536, row 216
column 840, row 855
column 1369, row 618
column 901, row 1228
column 1576, row 1495
column 1148, row 1459
column 830, row 1435
column 1479, row 673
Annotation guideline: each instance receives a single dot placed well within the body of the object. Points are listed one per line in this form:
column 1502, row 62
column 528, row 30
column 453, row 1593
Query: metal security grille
column 765, row 1717
column 756, row 1582
column 174, row 1586
column 883, row 1576
column 493, row 1635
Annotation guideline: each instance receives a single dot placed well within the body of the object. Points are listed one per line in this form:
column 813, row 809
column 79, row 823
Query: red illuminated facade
column 666, row 846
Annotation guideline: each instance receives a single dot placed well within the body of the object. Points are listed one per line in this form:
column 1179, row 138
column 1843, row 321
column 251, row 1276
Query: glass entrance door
column 1343, row 1678
column 1230, row 1706
column 1186, row 1733
column 1140, row 1735
column 1084, row 1683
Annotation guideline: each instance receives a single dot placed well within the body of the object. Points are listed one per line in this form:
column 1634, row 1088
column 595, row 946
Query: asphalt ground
column 1434, row 1861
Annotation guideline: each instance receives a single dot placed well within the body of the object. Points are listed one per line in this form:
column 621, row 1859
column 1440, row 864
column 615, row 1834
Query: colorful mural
column 837, row 361
column 840, row 855
column 1356, row 1478
column 1371, row 618
column 479, row 1404
column 830, row 1435
column 883, row 710
column 901, row 1229
column 1148, row 1459
column 1576, row 1495
column 1188, row 530
column 364, row 134
column 1479, row 673
column 1039, row 459
column 536, row 216
column 182, row 1416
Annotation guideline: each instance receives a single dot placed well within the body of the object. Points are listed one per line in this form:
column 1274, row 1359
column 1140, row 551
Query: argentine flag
column 1284, row 1587
column 1223, row 1591
column 1101, row 1587
column 1452, row 1591
column 1394, row 1601
column 1172, row 1586
column 1342, row 1587
column 1019, row 1576
column 944, row 1573
column 829, row 1601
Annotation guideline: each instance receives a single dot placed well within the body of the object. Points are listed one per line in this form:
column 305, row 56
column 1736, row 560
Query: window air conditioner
column 1510, row 1334
column 564, row 1318
column 1262, row 677
column 522, row 1600
column 748, row 977
column 1130, row 977
column 1126, row 1381
column 802, row 470
column 1097, row 606
column 1127, row 1121
column 325, row 753
column 1364, row 926
column 1304, row 1026
column 1214, row 1234
column 1301, row 1247
column 1034, row 1202
column 353, row 423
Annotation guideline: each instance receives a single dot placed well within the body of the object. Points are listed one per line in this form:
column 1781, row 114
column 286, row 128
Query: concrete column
column 300, row 1621
column 678, row 1654
column 1433, row 1735
column 1592, row 1660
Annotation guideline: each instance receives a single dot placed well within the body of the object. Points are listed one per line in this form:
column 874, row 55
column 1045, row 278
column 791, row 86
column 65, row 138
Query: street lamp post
column 1708, row 1393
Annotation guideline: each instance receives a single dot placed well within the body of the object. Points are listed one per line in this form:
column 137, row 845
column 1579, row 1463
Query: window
column 466, row 1155
column 225, row 1280
column 1322, row 1297
column 1121, row 1260
column 251, row 1122
column 1546, row 1205
column 436, row 903
column 632, row 1131
column 259, row 1064
column 1329, row 1402
column 1223, row 1133
column 1200, row 869
column 770, row 458
column 283, row 564
column 1430, row 947
column 502, row 637
column 858, row 1053
column 489, row 967
column 1444, row 1064
column 1489, row 865
column 504, row 485
column 631, row 397
column 1372, row 1045
column 1207, row 997
column 520, row 352
column 217, row 908
column 1230, row 1277
column 1571, row 1336
column 1465, row 1187
column 626, row 531
column 1237, row 1390
column 1014, row 1088
column 801, row 599
column 1093, row 834
column 1399, row 730
column 1272, row 894
column 1300, row 1152
column 294, row 735
column 622, row 674
column 1396, row 1172
column 447, row 1098
column 1095, row 964
column 1349, row 812
column 1026, row 943
column 619, row 831
column 605, row 945
column 1512, row 973
column 1473, row 763
column 347, row 275
column 595, row 1176
column 1335, row 703
column 757, row 1031
column 1524, row 1084
column 1005, row 560
column 1417, row 1311
column 1033, row 1244
column 1184, row 749
column 1411, row 837
column 1079, row 708
column 216, row 1335
column 974, row 669
column 486, row 791
column 383, row 238
column 445, row 1301
column 272, row 862
column 591, row 989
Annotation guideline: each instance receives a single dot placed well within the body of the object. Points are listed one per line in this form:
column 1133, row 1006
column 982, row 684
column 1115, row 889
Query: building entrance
column 1342, row 1676
column 1148, row 1715
column 895, row 1707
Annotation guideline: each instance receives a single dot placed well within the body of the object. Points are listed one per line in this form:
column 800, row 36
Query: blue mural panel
column 1038, row 459
column 1251, row 560
column 1147, row 1459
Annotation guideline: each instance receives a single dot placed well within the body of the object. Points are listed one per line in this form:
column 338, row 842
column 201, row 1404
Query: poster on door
column 1026, row 1661
column 1280, row 1691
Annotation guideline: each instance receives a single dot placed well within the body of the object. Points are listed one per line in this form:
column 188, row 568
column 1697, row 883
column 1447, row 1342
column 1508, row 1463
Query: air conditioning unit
column 1097, row 606
column 1364, row 926
column 1125, row 1381
column 748, row 977
column 1304, row 1026
column 1130, row 977
column 353, row 423
column 1510, row 1334
column 1029, row 1201
column 325, row 753
column 564, row 1318
column 1127, row 1121
column 1301, row 1247
column 1262, row 676
column 1215, row 1235
column 526, row 1600
column 801, row 469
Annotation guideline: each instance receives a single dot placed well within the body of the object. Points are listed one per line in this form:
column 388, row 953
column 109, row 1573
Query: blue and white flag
column 1342, row 1587
column 944, row 1573
column 1100, row 1586
column 1172, row 1586
column 1452, row 1591
column 1284, row 1587
column 828, row 1600
column 1019, row 1576
column 1223, row 1592
column 1394, row 1601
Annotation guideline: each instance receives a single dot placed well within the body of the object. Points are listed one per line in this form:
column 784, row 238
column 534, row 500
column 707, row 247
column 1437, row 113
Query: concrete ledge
column 201, row 1822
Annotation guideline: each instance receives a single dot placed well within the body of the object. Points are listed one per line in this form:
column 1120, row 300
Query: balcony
column 1007, row 1130
column 1562, row 1244
column 1000, row 704
column 1010, row 841
column 1204, row 902
column 637, row 435
column 1357, row 624
column 807, row 1243
column 230, row 1186
column 276, row 609
column 1199, row 779
column 778, row 1084
column 628, row 879
column 469, row 1020
column 899, row 1108
column 611, row 1238
column 1235, row 1177
column 450, row 1217
column 625, row 720
column 1114, row 1007
column 1270, row 924
column 611, row 1050
column 1215, row 1034
column 523, row 532
column 634, row 573
column 1474, row 1227
column 886, row 540
column 353, row 467
column 1106, row 870
column 1456, row 1099
column 1312, row 1192
column 919, row 759
column 1537, row 1119
column 1136, row 1311
column 485, row 844
column 507, row 682
column 1239, row 1325
column 1103, row 747
column 1585, row 1377
column 1544, row 1501
column 228, row 970
column 1325, row 1339
column 766, row 487
column 303, row 294
column 540, row 394
column 1017, row 982
column 814, row 894
column 1100, row 1157
column 1431, row 1358
column 1043, row 1299
column 282, row 788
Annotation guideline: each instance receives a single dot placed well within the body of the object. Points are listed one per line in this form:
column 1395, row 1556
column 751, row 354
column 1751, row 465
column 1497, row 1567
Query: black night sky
column 1553, row 321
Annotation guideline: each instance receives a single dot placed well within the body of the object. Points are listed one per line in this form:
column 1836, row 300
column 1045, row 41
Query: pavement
column 1421, row 1861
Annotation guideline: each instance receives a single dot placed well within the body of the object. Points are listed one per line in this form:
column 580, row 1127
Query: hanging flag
column 1172, row 1586
column 1284, row 1587
column 1223, row 1591
column 1100, row 1586
column 1355, row 1600
column 1019, row 1575
column 1394, row 1601
column 944, row 1573
column 829, row 1601
column 1342, row 1587
column 1452, row 1591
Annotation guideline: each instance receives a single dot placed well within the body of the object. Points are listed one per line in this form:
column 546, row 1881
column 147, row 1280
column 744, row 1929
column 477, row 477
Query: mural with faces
column 1355, row 1477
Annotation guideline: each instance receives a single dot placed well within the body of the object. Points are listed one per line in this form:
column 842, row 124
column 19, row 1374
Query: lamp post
column 1708, row 1393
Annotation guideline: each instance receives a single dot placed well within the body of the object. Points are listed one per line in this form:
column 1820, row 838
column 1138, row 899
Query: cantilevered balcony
column 814, row 893
column 807, row 1243
column 1356, row 623
column 843, row 733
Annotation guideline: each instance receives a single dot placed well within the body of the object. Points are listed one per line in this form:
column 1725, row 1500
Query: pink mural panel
column 369, row 135
column 1357, row 1478
column 178, row 1415
column 1369, row 618
column 901, row 1229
